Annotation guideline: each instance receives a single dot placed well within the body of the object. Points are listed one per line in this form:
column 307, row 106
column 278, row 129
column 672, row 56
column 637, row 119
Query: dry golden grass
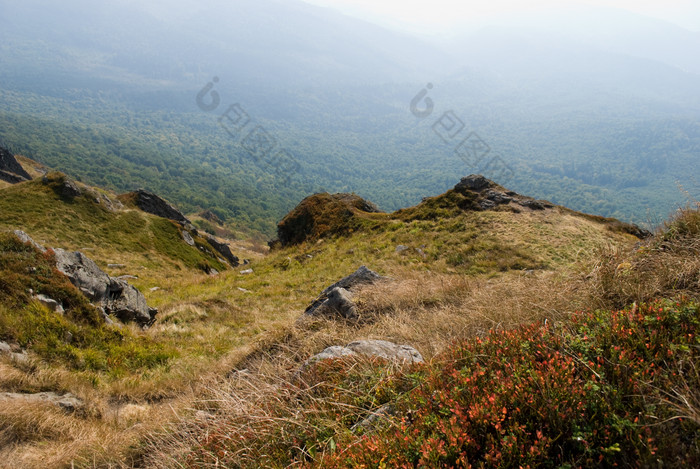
column 249, row 322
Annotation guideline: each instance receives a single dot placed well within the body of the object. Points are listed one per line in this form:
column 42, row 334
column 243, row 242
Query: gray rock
column 6, row 349
column 115, row 295
column 487, row 204
column 387, row 350
column 50, row 303
column 24, row 237
column 224, row 250
column 246, row 272
column 84, row 274
column 473, row 182
column 337, row 302
column 187, row 237
column 69, row 189
column 151, row 203
column 399, row 354
column 401, row 248
column 498, row 197
column 67, row 402
column 362, row 276
column 335, row 351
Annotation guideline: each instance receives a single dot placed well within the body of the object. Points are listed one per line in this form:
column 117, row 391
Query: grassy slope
column 565, row 389
column 473, row 261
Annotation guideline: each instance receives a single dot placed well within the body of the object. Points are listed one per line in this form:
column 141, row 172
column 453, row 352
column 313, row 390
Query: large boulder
column 336, row 299
column 10, row 170
column 115, row 295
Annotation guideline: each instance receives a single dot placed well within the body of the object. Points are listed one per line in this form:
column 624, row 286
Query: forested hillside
column 611, row 131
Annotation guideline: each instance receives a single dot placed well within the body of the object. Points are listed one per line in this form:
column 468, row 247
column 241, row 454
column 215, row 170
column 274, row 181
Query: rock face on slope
column 155, row 205
column 10, row 170
column 490, row 195
column 322, row 215
column 224, row 250
column 115, row 295
column 337, row 298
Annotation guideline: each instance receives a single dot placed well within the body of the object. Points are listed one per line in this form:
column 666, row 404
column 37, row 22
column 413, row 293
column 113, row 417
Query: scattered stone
column 116, row 266
column 421, row 253
column 224, row 250
column 67, row 402
column 50, row 303
column 213, row 272
column 246, row 272
column 243, row 290
column 128, row 277
column 362, row 276
column 154, row 289
column 187, row 237
column 401, row 248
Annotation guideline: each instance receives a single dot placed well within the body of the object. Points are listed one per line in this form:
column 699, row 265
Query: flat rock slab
column 401, row 354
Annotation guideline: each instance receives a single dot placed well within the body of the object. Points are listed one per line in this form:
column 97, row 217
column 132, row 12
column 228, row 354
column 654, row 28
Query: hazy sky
column 435, row 15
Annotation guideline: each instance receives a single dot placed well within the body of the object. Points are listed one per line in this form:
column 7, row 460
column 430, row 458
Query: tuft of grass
column 665, row 265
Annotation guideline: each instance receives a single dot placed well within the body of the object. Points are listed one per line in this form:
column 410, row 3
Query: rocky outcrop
column 337, row 298
column 224, row 250
column 400, row 354
column 114, row 295
column 155, row 205
column 322, row 215
column 10, row 170
column 487, row 195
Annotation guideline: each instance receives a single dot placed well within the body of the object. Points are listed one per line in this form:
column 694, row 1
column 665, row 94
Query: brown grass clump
column 322, row 215
column 666, row 265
